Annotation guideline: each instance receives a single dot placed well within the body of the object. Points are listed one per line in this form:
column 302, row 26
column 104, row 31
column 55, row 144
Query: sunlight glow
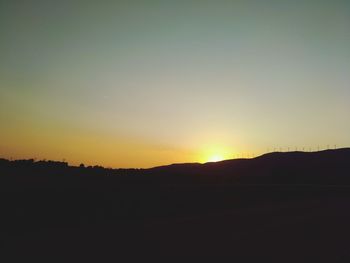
column 215, row 153
column 216, row 158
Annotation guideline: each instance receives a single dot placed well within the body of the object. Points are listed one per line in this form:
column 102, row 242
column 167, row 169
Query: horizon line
column 165, row 165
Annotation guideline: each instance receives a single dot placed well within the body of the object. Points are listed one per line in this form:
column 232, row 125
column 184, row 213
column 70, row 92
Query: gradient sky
column 145, row 83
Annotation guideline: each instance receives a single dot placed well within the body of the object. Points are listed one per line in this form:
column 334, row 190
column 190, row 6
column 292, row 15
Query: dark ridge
column 324, row 167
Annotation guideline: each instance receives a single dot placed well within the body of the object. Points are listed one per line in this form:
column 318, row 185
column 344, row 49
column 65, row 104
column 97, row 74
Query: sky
column 147, row 83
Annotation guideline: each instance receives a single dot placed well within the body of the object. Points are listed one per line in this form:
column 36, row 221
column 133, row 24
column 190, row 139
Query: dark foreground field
column 56, row 213
column 251, row 223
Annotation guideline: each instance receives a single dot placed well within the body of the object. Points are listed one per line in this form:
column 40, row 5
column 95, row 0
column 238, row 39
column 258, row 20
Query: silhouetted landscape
column 282, row 206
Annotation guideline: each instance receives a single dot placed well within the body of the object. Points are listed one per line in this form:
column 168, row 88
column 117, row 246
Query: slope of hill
column 325, row 167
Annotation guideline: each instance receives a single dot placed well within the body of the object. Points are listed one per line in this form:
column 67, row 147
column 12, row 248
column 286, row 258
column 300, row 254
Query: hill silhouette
column 324, row 167
column 281, row 207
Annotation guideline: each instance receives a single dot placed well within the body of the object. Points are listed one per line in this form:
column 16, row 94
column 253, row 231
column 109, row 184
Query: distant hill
column 324, row 167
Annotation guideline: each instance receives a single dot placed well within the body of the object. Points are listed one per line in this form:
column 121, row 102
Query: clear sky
column 144, row 83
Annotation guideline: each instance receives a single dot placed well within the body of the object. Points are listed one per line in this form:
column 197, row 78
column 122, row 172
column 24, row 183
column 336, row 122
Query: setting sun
column 216, row 158
column 215, row 153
